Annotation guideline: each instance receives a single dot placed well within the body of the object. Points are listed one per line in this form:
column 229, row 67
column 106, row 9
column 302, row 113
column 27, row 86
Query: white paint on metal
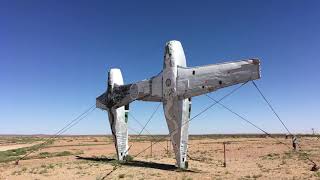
column 174, row 86
column 117, row 119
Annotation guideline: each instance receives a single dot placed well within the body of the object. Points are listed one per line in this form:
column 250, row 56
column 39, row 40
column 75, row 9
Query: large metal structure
column 173, row 86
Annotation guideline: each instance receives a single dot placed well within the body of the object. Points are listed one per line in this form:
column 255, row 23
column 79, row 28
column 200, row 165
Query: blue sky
column 54, row 58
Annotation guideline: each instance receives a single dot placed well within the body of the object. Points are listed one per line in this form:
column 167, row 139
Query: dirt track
column 16, row 146
column 247, row 158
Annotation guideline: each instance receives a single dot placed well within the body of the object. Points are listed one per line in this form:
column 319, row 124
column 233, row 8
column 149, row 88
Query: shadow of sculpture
column 137, row 163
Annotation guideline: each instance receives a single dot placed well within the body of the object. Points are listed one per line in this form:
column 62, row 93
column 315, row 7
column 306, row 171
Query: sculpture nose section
column 174, row 54
column 172, row 46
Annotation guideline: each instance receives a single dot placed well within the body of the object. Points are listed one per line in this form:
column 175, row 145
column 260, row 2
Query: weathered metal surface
column 117, row 116
column 174, row 86
column 196, row 81
column 176, row 110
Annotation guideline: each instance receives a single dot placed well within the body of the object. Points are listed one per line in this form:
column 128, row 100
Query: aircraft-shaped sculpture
column 173, row 86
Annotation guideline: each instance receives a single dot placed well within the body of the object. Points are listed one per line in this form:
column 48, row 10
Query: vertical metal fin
column 177, row 116
column 118, row 117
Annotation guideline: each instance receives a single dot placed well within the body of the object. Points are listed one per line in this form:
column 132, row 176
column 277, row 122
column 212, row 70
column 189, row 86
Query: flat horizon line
column 211, row 134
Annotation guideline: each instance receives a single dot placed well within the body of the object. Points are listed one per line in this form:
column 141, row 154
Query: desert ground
column 93, row 157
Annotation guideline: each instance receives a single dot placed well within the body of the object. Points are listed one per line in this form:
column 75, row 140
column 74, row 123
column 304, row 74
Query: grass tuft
column 121, row 176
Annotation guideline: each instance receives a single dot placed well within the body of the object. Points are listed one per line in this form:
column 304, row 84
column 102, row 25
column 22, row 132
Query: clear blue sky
column 54, row 58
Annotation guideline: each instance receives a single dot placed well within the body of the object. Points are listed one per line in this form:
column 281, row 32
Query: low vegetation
column 271, row 156
column 15, row 154
column 55, row 154
column 19, row 139
column 247, row 158
column 121, row 176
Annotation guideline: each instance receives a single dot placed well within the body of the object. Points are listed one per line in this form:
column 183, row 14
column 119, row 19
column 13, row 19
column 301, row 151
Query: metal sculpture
column 173, row 86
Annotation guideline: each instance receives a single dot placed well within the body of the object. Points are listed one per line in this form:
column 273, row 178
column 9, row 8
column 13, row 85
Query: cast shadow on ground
column 136, row 163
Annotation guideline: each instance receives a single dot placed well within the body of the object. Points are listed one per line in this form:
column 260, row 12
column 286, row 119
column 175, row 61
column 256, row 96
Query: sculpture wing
column 145, row 90
column 195, row 81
